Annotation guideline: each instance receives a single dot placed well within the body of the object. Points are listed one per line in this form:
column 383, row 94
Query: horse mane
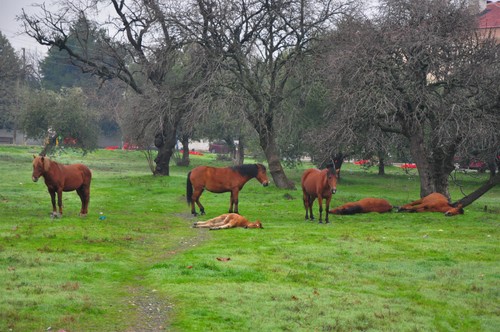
column 250, row 170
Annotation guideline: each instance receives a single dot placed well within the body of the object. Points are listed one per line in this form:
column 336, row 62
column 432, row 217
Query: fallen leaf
column 295, row 298
column 223, row 259
column 190, row 266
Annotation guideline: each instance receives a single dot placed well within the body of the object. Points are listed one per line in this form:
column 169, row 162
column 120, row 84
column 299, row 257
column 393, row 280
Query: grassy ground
column 134, row 263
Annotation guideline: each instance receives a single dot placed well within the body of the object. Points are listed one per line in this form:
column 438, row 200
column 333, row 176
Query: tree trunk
column 185, row 151
column 165, row 142
column 240, row 154
column 433, row 173
column 270, row 147
column 492, row 181
column 232, row 147
column 381, row 164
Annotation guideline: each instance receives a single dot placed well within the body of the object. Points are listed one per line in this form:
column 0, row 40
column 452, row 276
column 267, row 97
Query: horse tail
column 189, row 189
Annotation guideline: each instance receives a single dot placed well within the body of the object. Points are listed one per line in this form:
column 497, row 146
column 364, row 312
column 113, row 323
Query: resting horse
column 364, row 205
column 321, row 184
column 221, row 180
column 59, row 178
column 228, row 220
column 434, row 202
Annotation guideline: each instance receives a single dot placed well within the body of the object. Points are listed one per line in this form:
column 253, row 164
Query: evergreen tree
column 10, row 75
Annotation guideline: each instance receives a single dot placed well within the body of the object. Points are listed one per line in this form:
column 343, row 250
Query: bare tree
column 259, row 42
column 136, row 44
column 421, row 70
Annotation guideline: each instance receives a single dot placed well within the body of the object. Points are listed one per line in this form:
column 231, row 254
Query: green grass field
column 135, row 264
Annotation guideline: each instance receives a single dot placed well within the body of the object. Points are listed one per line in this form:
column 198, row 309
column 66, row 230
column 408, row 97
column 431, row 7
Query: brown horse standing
column 321, row 184
column 59, row 178
column 364, row 205
column 434, row 202
column 221, row 180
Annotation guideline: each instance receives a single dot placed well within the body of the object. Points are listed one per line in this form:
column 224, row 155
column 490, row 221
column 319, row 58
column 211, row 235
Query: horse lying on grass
column 227, row 220
column 59, row 178
column 434, row 202
column 364, row 205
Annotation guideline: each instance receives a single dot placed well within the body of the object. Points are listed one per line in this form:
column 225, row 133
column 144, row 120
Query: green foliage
column 64, row 112
column 10, row 74
column 59, row 70
column 404, row 272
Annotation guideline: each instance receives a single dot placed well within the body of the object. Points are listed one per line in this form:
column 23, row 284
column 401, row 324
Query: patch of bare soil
column 152, row 310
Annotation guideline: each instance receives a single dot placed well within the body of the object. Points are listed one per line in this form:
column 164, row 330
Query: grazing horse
column 228, row 220
column 221, row 180
column 434, row 202
column 59, row 178
column 364, row 205
column 321, row 184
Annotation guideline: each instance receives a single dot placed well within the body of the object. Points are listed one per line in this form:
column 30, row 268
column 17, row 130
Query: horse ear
column 34, row 157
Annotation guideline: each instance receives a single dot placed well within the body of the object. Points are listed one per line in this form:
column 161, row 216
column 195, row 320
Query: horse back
column 375, row 205
column 216, row 179
column 434, row 198
column 74, row 176
column 314, row 181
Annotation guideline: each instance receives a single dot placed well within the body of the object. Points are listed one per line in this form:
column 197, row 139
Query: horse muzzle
column 334, row 190
column 34, row 178
column 265, row 184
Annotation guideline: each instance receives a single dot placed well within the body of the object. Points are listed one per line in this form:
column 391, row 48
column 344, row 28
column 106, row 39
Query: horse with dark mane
column 434, row 202
column 221, row 180
column 59, row 178
column 319, row 184
column 364, row 205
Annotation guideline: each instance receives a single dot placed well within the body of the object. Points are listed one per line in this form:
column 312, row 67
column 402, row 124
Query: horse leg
column 311, row 204
column 53, row 200
column 84, row 194
column 328, row 200
column 231, row 202
column 305, row 199
column 196, row 199
column 320, row 202
column 235, row 201
column 224, row 222
column 211, row 222
column 59, row 201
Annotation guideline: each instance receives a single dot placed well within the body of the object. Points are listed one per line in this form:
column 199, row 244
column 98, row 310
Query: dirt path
column 152, row 311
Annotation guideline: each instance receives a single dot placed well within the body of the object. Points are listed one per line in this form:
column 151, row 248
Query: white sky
column 13, row 29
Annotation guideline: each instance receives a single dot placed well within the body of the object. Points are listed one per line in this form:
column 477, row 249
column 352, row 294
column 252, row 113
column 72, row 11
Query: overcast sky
column 12, row 29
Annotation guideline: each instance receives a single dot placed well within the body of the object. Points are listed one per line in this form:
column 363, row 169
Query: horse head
column 256, row 224
column 455, row 211
column 262, row 175
column 39, row 167
column 331, row 178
